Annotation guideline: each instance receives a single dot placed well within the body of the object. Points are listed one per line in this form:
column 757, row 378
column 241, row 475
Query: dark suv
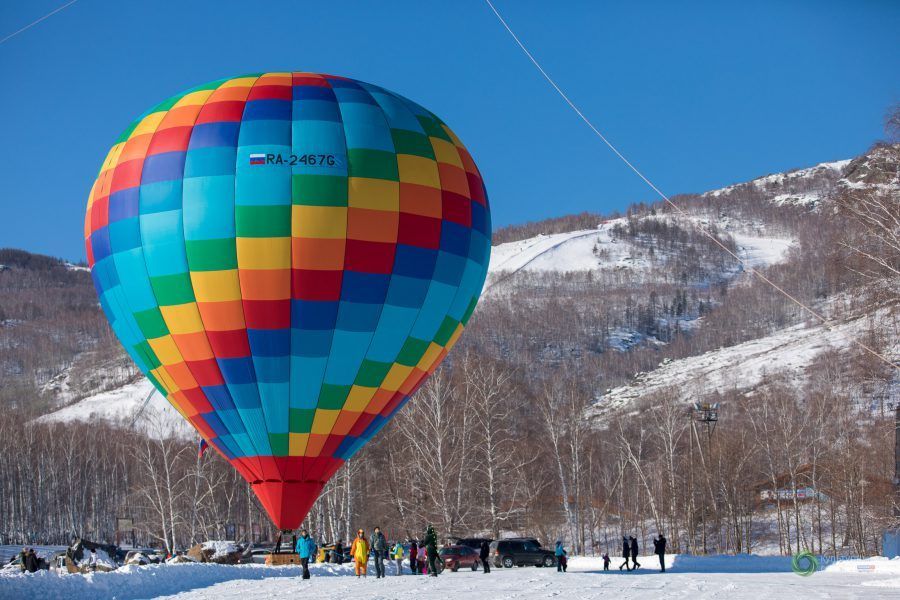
column 473, row 542
column 520, row 552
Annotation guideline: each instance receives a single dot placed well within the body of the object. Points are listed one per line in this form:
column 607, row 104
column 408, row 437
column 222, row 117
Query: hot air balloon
column 287, row 256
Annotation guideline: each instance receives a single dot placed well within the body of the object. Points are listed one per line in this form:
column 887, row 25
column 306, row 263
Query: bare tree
column 159, row 459
column 488, row 388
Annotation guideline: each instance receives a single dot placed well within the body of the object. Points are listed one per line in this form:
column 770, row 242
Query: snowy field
column 730, row 577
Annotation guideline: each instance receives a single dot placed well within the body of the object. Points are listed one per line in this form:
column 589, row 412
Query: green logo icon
column 804, row 563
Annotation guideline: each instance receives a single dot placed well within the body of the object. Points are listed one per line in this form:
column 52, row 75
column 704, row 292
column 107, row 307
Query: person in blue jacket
column 561, row 562
column 306, row 548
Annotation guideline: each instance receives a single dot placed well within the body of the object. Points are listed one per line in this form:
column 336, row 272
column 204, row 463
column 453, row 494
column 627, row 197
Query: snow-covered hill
column 599, row 249
column 747, row 366
column 584, row 250
column 802, row 187
column 632, row 261
column 814, row 186
column 125, row 406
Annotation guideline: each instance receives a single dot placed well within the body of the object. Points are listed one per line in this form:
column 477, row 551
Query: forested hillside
column 565, row 409
column 55, row 344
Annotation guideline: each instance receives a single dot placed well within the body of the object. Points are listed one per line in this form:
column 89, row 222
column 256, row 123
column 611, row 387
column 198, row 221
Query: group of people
column 28, row 560
column 630, row 550
column 422, row 559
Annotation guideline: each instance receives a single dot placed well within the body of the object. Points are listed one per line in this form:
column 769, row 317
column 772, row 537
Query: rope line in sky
column 33, row 23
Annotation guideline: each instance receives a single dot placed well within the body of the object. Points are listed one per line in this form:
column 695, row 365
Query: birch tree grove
column 488, row 391
column 476, row 453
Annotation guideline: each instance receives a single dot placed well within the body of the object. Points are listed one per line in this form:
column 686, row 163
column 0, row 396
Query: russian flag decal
column 257, row 159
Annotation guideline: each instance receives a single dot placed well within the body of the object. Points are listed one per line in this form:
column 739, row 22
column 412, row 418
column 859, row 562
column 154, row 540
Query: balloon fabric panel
column 287, row 256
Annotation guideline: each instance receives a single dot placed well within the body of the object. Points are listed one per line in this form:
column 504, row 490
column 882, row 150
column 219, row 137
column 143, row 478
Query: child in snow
column 606, row 561
column 413, row 557
column 397, row 552
column 423, row 563
column 561, row 562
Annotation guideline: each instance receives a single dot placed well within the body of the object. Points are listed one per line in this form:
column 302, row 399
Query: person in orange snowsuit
column 359, row 550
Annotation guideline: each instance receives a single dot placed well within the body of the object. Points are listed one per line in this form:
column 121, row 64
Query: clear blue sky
column 698, row 94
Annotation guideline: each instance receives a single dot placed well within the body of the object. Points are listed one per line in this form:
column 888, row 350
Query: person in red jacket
column 413, row 557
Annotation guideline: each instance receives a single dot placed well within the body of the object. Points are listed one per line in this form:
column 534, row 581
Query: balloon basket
column 282, row 558
column 287, row 555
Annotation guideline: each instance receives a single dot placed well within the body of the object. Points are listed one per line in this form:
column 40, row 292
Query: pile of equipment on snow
column 220, row 552
column 84, row 556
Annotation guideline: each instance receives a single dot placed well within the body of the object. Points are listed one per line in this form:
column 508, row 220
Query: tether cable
column 33, row 23
column 677, row 208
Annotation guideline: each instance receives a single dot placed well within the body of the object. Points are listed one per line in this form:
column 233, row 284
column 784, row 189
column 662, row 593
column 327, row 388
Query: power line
column 142, row 407
column 33, row 23
column 700, row 227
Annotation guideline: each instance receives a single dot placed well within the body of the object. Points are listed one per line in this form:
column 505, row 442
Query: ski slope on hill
column 516, row 256
column 734, row 577
column 596, row 249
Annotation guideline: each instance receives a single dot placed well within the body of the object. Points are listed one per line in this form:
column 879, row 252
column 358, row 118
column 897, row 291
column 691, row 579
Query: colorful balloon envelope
column 287, row 256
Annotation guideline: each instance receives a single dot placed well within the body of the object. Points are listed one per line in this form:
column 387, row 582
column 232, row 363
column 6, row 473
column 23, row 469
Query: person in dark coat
column 431, row 551
column 23, row 556
column 338, row 552
column 484, row 555
column 606, row 561
column 659, row 548
column 32, row 564
column 626, row 552
column 634, row 552
column 414, row 557
column 380, row 549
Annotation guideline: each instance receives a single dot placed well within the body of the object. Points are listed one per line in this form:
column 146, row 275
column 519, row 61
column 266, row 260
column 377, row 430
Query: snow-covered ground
column 732, row 577
column 759, row 252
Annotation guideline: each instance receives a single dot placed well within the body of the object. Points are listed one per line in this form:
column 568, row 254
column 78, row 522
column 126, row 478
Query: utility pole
column 897, row 460
column 693, row 507
column 890, row 540
column 707, row 414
